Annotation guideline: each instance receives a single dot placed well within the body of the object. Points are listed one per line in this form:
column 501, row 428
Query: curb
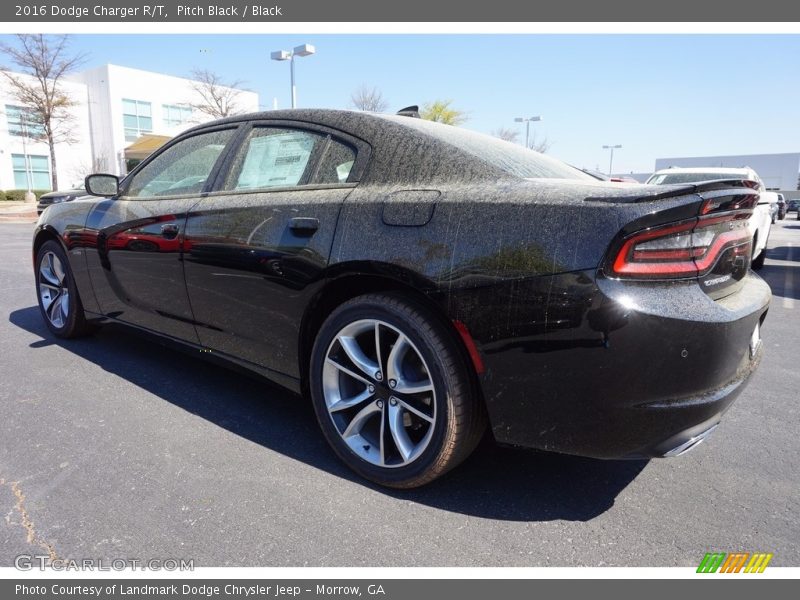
column 19, row 218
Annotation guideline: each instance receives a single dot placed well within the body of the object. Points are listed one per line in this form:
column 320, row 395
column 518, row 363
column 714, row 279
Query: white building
column 126, row 104
column 115, row 107
column 25, row 161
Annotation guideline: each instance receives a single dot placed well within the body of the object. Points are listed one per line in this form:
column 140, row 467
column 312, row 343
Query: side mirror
column 102, row 184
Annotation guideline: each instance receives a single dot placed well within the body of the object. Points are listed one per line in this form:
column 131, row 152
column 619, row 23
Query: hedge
column 19, row 195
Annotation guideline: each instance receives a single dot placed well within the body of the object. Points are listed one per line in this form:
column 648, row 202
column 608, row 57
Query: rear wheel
column 392, row 393
column 58, row 297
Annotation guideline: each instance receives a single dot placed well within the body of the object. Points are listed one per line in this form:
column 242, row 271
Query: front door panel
column 136, row 270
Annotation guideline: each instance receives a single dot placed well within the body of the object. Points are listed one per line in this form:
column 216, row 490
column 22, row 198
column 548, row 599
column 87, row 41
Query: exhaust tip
column 689, row 444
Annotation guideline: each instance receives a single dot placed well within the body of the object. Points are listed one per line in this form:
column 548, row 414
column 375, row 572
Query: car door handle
column 169, row 231
column 304, row 225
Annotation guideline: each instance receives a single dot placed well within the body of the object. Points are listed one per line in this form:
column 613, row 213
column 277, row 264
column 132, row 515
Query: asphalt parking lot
column 113, row 447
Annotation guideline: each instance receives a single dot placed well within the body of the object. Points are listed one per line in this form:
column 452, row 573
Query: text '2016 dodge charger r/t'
column 417, row 280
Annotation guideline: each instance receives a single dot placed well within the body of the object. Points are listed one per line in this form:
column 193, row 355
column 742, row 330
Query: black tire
column 758, row 262
column 73, row 324
column 458, row 417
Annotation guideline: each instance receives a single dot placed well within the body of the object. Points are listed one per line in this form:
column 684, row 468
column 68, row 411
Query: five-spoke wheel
column 53, row 289
column 392, row 392
column 58, row 297
column 379, row 393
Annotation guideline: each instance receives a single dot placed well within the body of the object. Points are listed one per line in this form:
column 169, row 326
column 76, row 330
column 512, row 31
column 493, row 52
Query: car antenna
column 409, row 111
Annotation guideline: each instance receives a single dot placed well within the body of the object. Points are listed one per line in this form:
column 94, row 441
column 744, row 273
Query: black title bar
column 441, row 11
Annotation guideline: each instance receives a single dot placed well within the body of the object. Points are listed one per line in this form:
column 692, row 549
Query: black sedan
column 51, row 198
column 417, row 281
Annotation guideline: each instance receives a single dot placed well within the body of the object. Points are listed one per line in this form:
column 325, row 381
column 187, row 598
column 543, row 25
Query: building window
column 23, row 121
column 37, row 166
column 137, row 118
column 175, row 115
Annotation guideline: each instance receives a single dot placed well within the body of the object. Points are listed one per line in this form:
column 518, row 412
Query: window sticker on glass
column 276, row 160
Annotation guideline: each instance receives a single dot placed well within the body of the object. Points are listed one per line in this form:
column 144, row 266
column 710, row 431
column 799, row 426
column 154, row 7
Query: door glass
column 181, row 169
column 275, row 157
column 337, row 163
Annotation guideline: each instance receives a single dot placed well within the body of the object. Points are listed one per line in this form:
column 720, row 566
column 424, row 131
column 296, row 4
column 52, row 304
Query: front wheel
column 59, row 302
column 392, row 393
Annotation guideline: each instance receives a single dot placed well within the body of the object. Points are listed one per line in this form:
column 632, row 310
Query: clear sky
column 657, row 95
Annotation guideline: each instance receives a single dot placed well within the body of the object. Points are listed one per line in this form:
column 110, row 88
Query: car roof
column 331, row 117
column 733, row 170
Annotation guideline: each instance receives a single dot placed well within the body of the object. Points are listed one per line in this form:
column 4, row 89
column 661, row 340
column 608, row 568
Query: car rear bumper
column 691, row 419
column 621, row 370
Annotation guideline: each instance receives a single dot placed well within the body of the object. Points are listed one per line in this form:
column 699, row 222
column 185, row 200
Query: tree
column 218, row 99
column 369, row 99
column 441, row 112
column 43, row 62
column 99, row 164
column 541, row 146
column 508, row 135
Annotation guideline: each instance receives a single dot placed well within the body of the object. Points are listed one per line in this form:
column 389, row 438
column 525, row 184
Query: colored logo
column 735, row 562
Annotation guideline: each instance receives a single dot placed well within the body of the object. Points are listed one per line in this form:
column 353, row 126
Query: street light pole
column 611, row 160
column 302, row 50
column 294, row 87
column 527, row 122
column 23, row 120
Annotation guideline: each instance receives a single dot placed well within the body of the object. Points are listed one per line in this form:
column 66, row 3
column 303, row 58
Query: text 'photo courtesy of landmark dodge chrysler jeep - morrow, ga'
column 419, row 282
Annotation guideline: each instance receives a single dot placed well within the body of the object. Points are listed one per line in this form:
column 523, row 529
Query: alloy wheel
column 54, row 289
column 379, row 393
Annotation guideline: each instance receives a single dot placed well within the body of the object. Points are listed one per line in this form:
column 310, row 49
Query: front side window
column 31, row 171
column 23, row 121
column 137, row 118
column 181, row 169
column 175, row 115
column 277, row 157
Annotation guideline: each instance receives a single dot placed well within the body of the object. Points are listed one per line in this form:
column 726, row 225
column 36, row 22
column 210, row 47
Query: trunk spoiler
column 653, row 193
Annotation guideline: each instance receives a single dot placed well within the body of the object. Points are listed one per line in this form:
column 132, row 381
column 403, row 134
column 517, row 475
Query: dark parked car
column 50, row 198
column 781, row 207
column 416, row 280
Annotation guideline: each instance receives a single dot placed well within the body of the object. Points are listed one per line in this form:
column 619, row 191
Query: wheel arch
column 347, row 281
column 47, row 232
column 44, row 233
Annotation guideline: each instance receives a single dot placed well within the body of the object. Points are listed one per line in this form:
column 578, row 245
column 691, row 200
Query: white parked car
column 760, row 222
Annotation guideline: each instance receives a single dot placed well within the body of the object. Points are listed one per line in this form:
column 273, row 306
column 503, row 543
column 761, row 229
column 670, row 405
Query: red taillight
column 686, row 249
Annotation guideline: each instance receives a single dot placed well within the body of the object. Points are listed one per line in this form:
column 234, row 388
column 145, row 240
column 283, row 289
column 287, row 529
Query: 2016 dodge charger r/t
column 417, row 280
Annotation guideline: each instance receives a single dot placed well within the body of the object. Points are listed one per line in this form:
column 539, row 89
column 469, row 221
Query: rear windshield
column 511, row 158
column 670, row 178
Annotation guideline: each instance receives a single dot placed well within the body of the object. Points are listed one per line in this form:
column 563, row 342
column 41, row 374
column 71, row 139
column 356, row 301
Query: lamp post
column 23, row 119
column 611, row 160
column 302, row 50
column 527, row 122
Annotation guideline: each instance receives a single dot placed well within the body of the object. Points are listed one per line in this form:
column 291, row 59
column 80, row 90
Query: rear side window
column 278, row 157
